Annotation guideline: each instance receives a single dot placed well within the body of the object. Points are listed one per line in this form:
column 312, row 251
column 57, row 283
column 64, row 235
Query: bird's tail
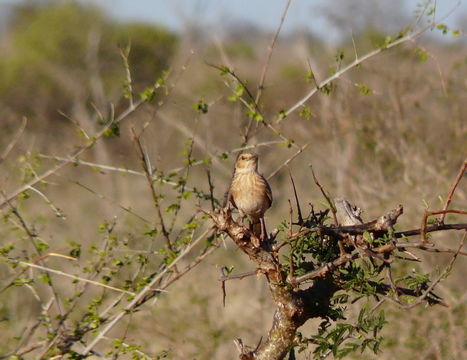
column 255, row 227
column 258, row 227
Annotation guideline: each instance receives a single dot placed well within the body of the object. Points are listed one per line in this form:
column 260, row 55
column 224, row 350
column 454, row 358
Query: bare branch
column 74, row 277
column 353, row 64
column 331, row 205
column 14, row 140
column 287, row 162
column 453, row 189
column 73, row 155
column 144, row 291
column 269, row 55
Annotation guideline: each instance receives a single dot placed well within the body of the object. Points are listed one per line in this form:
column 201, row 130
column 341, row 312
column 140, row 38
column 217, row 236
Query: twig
column 149, row 177
column 423, row 239
column 127, row 171
column 291, row 217
column 269, row 55
column 56, row 210
column 229, row 152
column 211, row 188
column 28, row 348
column 103, row 197
column 187, row 174
column 369, row 226
column 268, row 125
column 14, row 140
column 32, row 236
column 237, row 276
column 203, row 254
column 95, row 165
column 253, row 108
column 331, row 205
column 131, row 348
column 232, row 73
column 74, row 277
column 428, row 249
column 440, row 277
column 288, row 161
column 391, row 282
column 73, row 155
column 128, row 84
column 453, row 189
column 299, row 210
column 143, row 292
column 169, row 90
column 350, row 66
column 431, row 228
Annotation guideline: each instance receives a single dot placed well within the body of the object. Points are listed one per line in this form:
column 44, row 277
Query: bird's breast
column 249, row 193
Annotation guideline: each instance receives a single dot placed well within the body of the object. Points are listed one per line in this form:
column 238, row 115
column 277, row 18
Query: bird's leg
column 263, row 235
column 251, row 226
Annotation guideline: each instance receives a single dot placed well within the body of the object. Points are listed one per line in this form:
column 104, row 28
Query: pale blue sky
column 264, row 13
column 215, row 14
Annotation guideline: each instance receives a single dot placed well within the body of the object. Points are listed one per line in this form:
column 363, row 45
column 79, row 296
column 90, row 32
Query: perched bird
column 250, row 192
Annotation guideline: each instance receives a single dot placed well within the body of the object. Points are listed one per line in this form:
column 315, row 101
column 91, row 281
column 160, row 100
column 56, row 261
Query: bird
column 250, row 192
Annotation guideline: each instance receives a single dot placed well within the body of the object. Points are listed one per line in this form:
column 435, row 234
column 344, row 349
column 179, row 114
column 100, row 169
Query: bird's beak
column 255, row 156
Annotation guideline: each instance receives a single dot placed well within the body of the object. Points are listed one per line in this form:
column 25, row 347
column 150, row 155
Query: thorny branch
column 295, row 303
column 73, row 155
column 456, row 182
column 411, row 36
column 149, row 171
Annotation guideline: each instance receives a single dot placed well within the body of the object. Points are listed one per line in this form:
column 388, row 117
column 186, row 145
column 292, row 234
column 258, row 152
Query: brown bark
column 294, row 306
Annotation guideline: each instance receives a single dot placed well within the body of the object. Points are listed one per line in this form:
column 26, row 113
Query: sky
column 215, row 14
column 264, row 13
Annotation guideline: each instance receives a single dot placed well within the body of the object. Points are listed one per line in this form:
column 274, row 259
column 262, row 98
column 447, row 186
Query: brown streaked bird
column 250, row 192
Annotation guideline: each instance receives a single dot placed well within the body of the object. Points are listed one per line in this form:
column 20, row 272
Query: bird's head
column 247, row 162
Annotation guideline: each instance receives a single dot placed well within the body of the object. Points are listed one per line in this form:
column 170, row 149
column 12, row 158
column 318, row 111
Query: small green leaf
column 201, row 107
column 148, row 93
column 365, row 90
column 422, row 54
column 305, row 112
column 444, row 29
column 310, row 77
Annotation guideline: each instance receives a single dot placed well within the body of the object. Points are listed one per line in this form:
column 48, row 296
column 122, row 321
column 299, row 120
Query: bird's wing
column 232, row 196
column 268, row 190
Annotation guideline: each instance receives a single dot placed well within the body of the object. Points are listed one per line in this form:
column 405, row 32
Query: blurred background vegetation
column 390, row 131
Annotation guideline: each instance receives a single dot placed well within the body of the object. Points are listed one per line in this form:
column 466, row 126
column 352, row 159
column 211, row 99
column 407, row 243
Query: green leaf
column 444, row 29
column 148, row 93
column 305, row 112
column 310, row 77
column 287, row 143
column 112, row 131
column 326, row 89
column 365, row 90
column 201, row 107
column 422, row 54
column 255, row 115
column 224, row 70
column 41, row 246
column 340, row 56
